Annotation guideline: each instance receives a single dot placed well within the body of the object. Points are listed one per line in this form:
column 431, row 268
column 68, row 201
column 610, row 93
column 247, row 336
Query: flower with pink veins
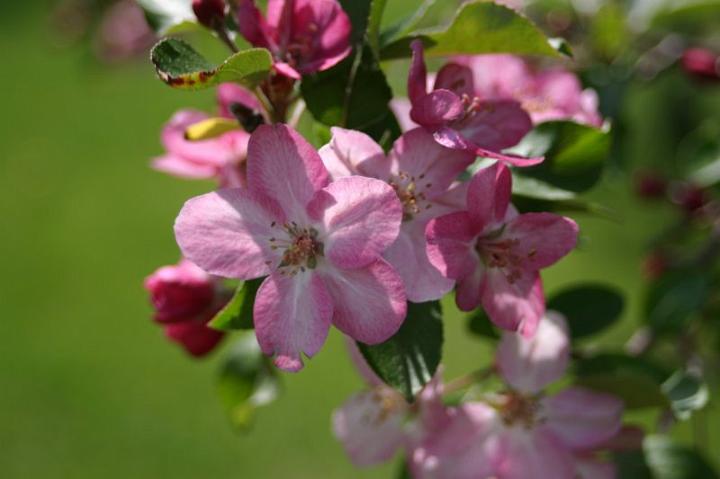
column 495, row 254
column 318, row 243
column 421, row 172
column 459, row 119
column 547, row 95
column 185, row 298
column 521, row 429
column 304, row 36
column 221, row 158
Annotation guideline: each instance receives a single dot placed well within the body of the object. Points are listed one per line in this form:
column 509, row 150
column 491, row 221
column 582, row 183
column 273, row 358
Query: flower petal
column 408, row 255
column 581, row 418
column 533, row 450
column 227, row 232
column 327, row 24
column 352, row 152
column 370, row 425
column 231, row 93
column 370, row 303
column 529, row 365
column 450, row 241
column 457, row 78
column 360, row 218
column 194, row 336
column 283, row 166
column 488, row 195
column 433, row 166
column 436, row 108
column 496, row 125
column 541, row 238
column 468, row 292
column 417, row 77
column 292, row 316
column 206, row 152
column 253, row 27
column 514, row 305
column 182, row 168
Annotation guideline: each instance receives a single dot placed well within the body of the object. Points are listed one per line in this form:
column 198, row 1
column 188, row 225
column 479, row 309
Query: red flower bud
column 180, row 292
column 701, row 63
column 650, row 185
column 689, row 197
column 210, row 13
column 194, row 336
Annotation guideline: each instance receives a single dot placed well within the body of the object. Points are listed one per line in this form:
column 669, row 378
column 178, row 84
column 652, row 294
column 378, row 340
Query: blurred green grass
column 89, row 387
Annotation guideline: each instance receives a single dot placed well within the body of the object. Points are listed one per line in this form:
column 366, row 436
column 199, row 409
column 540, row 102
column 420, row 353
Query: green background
column 88, row 385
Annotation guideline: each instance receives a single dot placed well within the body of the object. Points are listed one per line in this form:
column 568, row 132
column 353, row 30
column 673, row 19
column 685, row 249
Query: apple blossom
column 421, row 172
column 319, row 243
column 304, row 36
column 495, row 254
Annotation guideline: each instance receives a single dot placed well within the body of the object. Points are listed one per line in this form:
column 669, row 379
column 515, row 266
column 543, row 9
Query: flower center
column 409, row 191
column 473, row 105
column 301, row 249
column 519, row 409
column 500, row 253
column 301, row 46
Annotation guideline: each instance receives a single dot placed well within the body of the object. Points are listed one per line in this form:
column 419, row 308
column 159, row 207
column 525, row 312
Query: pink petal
column 180, row 292
column 360, row 218
column 194, row 336
column 252, row 25
column 227, row 232
column 352, row 152
column 283, row 166
column 456, row 78
column 370, row 303
column 541, row 238
column 498, row 76
column 582, row 418
column 527, row 450
column 488, row 195
column 408, row 255
column 181, row 167
column 468, row 292
column 450, row 244
column 528, row 365
column 433, row 166
column 231, row 93
column 370, row 425
column 437, row 108
column 361, row 365
column 285, row 69
column 417, row 78
column 496, row 125
column 206, row 152
column 292, row 316
column 450, row 241
column 450, row 137
column 514, row 305
column 401, row 108
column 327, row 26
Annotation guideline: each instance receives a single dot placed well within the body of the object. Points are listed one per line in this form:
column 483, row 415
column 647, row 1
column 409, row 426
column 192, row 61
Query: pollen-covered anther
column 501, row 254
column 302, row 249
column 409, row 191
column 519, row 409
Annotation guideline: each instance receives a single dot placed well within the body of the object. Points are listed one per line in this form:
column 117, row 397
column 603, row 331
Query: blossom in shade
column 522, row 429
column 304, row 36
column 318, row 243
column 495, row 254
column 546, row 94
column 221, row 158
column 185, row 298
column 459, row 119
column 421, row 173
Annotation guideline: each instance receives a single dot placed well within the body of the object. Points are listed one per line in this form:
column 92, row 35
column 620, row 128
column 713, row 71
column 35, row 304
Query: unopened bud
column 701, row 63
column 210, row 13
column 650, row 185
column 689, row 197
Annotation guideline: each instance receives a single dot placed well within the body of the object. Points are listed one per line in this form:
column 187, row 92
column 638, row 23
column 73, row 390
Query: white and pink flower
column 319, row 243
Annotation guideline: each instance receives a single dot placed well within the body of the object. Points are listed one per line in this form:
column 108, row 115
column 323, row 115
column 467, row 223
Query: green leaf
column 478, row 27
column 377, row 8
column 530, row 194
column 238, row 313
column 575, row 154
column 636, row 381
column 631, row 465
column 180, row 66
column 409, row 359
column 407, row 24
column 668, row 460
column 694, row 18
column 169, row 16
column 247, row 381
column 674, row 299
column 687, row 393
column 589, row 308
column 480, row 325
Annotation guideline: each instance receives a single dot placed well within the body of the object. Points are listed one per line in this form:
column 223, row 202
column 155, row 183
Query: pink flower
column 420, row 171
column 459, row 119
column 319, row 242
column 185, row 298
column 701, row 63
column 223, row 157
column 551, row 94
column 304, row 36
column 496, row 254
column 522, row 430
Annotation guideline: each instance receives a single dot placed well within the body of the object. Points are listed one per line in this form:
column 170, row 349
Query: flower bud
column 650, row 185
column 180, row 292
column 689, row 197
column 194, row 336
column 701, row 63
column 209, row 13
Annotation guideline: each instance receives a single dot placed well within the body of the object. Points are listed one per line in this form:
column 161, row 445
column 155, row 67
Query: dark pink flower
column 701, row 63
column 304, row 36
column 319, row 242
column 221, row 158
column 210, row 13
column 421, row 172
column 496, row 254
column 459, row 119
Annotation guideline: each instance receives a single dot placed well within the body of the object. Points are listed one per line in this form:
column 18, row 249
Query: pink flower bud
column 180, row 292
column 689, row 197
column 209, row 12
column 701, row 63
column 650, row 185
column 194, row 336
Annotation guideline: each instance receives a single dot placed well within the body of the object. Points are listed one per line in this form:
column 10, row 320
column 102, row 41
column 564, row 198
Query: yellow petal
column 210, row 128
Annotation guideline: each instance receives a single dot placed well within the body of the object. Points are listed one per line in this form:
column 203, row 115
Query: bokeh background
column 89, row 387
